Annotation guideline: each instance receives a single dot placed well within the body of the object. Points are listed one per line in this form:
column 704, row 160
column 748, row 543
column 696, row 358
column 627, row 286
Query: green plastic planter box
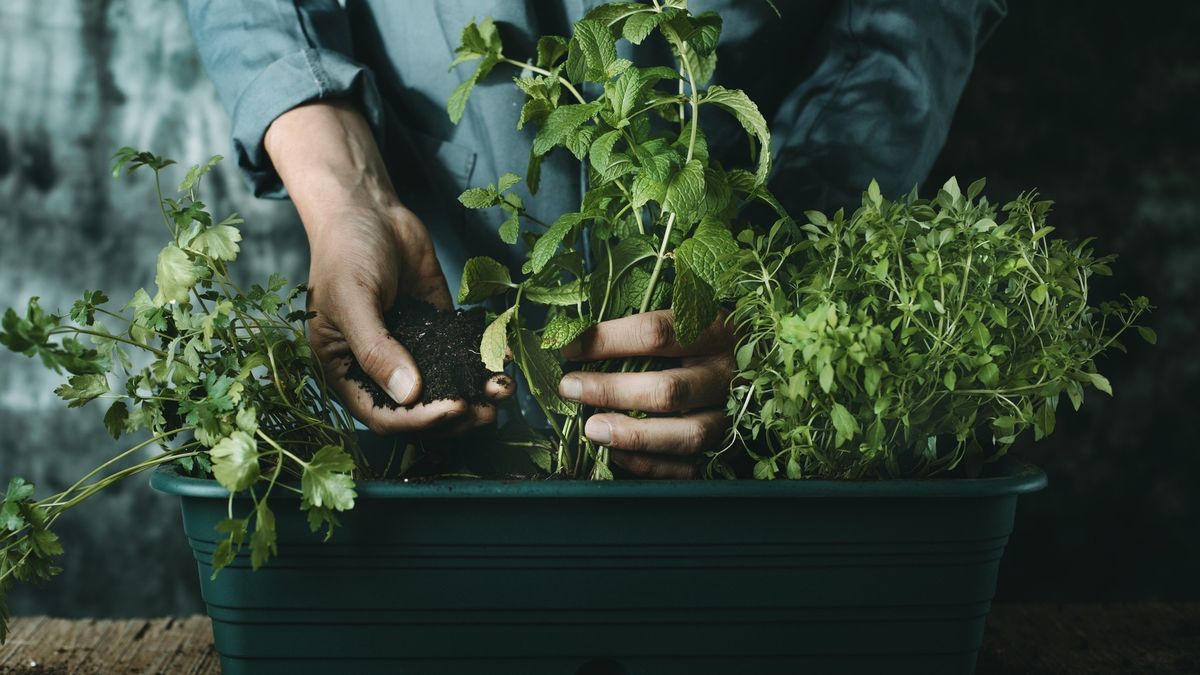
column 625, row 577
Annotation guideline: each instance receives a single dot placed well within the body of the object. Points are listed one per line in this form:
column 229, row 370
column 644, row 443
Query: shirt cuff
column 309, row 75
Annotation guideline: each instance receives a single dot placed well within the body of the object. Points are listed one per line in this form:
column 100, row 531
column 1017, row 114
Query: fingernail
column 400, row 385
column 599, row 431
column 571, row 387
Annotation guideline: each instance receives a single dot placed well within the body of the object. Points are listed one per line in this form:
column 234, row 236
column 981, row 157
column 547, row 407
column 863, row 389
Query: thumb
column 383, row 359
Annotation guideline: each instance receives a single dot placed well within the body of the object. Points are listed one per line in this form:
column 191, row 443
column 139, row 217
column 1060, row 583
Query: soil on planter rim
column 445, row 346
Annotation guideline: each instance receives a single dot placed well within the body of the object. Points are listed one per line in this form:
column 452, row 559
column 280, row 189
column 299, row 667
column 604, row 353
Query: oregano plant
column 654, row 226
column 914, row 337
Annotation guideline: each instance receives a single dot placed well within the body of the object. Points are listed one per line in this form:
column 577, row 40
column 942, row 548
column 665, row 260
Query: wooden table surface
column 1134, row 639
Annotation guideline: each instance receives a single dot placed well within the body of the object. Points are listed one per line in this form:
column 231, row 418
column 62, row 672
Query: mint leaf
column 639, row 26
column 561, row 123
column 598, row 48
column 482, row 278
column 479, row 198
column 507, row 181
column 480, row 41
column 542, row 373
column 747, row 114
column 495, row 341
column 685, row 190
column 550, row 48
column 510, row 229
column 693, row 303
column 326, row 481
column 569, row 293
column 548, row 243
column 561, row 330
column 709, row 251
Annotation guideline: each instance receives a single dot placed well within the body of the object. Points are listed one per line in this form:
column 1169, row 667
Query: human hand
column 365, row 248
column 692, row 394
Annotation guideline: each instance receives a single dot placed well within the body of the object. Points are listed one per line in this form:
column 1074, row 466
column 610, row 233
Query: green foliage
column 226, row 385
column 914, row 336
column 634, row 244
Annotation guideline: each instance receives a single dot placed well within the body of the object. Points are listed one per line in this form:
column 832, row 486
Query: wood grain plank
column 1148, row 638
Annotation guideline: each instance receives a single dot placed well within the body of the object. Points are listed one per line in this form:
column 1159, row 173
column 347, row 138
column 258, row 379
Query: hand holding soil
column 366, row 249
column 352, row 277
column 691, row 395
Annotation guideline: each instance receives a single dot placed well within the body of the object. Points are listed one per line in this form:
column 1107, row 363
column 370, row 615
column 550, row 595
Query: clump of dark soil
column 445, row 346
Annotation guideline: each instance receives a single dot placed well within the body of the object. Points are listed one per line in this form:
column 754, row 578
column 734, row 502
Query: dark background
column 1094, row 104
column 1097, row 105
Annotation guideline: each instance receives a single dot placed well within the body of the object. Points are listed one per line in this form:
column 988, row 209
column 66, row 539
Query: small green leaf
column 81, row 389
column 235, row 461
column 1098, row 381
column 542, row 372
column 176, row 276
column 326, row 481
column 562, row 329
column 765, row 469
column 737, row 103
column 685, row 190
column 873, row 195
column 1148, row 334
column 844, row 422
column 507, row 181
column 548, row 243
column 1038, row 295
column 826, row 378
column 950, row 379
column 708, row 251
column 197, row 172
column 694, row 304
column 116, row 418
column 569, row 293
column 639, row 26
column 482, row 278
column 219, row 242
column 598, row 48
column 479, row 198
column 561, row 123
column 495, row 341
column 263, row 541
column 510, row 229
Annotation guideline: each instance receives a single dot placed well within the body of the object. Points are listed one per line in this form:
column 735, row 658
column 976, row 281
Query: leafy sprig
column 653, row 229
column 229, row 388
column 913, row 336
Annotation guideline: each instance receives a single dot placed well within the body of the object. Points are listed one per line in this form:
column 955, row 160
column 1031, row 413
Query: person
column 342, row 109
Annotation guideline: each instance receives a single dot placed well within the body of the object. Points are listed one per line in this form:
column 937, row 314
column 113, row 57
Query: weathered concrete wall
column 79, row 79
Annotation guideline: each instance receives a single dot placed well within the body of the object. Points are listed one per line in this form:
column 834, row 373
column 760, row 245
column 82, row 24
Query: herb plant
column 654, row 227
column 913, row 336
column 220, row 378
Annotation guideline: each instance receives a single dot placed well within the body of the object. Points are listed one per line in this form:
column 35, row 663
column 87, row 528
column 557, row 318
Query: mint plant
column 914, row 337
column 654, row 227
column 221, row 379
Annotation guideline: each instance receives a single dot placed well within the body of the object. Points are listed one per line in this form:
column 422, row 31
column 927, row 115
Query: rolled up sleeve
column 880, row 101
column 269, row 56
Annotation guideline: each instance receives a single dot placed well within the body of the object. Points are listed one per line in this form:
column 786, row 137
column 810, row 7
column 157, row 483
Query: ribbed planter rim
column 1010, row 478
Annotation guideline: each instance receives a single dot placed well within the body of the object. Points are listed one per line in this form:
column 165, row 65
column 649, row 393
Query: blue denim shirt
column 853, row 90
